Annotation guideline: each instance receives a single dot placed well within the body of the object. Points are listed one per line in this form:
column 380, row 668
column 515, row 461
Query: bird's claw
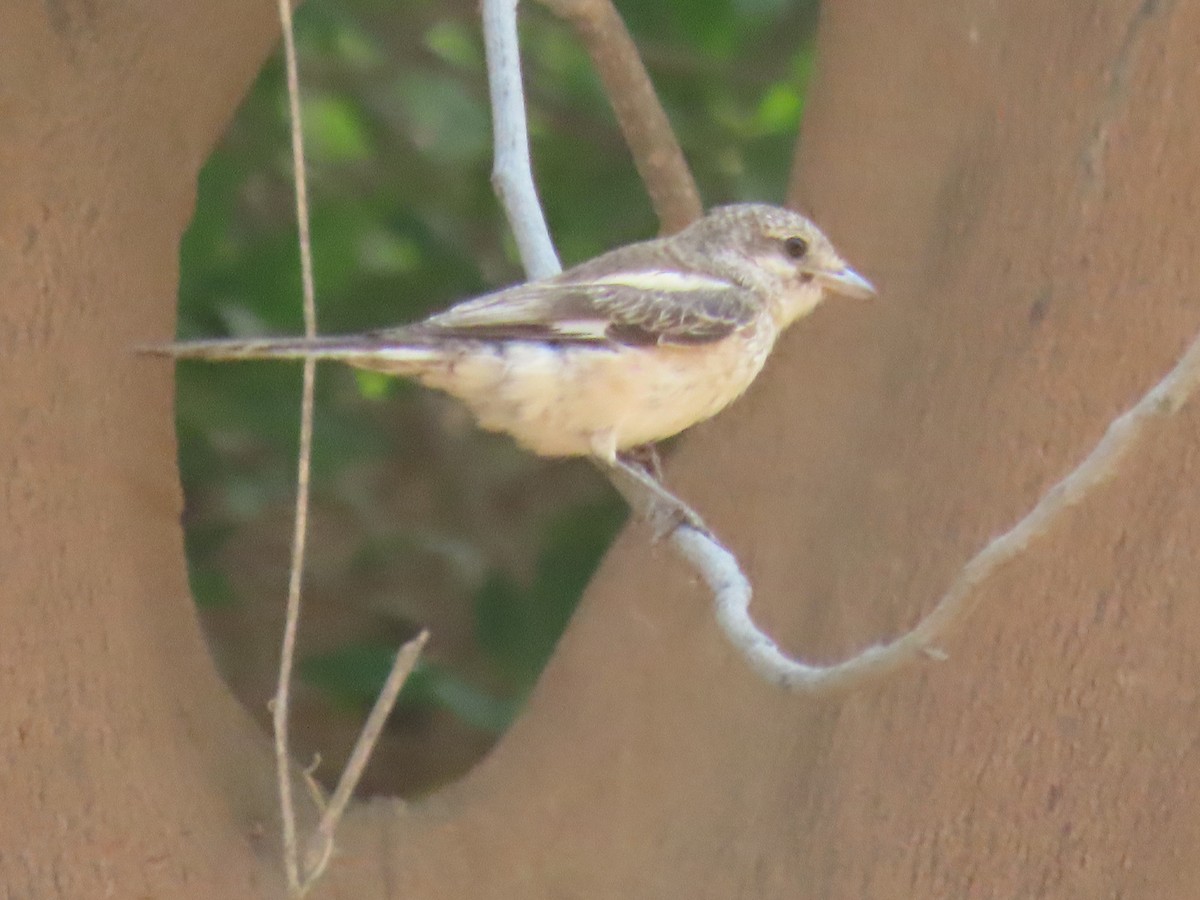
column 664, row 518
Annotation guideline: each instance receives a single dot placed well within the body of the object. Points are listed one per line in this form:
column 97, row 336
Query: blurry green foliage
column 404, row 222
column 519, row 625
column 353, row 675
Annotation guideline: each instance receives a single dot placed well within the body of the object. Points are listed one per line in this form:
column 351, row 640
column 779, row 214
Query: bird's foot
column 662, row 510
column 646, row 457
column 665, row 517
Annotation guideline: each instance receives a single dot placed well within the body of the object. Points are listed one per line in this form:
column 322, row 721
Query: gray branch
column 512, row 171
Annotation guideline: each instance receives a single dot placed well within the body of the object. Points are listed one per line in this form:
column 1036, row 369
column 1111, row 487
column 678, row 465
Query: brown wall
column 1021, row 182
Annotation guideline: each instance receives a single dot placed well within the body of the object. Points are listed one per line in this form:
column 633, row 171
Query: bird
column 612, row 355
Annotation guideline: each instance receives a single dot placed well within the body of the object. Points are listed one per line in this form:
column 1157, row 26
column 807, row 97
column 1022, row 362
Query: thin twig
column 320, row 845
column 656, row 152
column 512, row 171
column 281, row 705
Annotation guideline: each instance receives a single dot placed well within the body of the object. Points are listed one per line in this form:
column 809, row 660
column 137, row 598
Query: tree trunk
column 127, row 770
column 1021, row 182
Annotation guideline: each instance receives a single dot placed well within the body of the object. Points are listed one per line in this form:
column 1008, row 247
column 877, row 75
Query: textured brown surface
column 1022, row 183
column 1019, row 179
column 125, row 770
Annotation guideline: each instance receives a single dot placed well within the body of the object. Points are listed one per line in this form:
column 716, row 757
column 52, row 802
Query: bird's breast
column 557, row 399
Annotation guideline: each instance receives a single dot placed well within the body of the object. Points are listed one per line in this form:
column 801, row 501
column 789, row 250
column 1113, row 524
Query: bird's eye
column 795, row 247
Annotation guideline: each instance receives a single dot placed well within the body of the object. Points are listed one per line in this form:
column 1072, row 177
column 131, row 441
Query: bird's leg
column 633, row 473
column 659, row 507
column 646, row 456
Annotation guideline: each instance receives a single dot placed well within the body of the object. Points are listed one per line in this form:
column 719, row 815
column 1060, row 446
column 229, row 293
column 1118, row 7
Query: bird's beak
column 847, row 282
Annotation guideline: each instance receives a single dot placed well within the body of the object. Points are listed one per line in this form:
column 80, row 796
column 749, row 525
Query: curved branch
column 732, row 591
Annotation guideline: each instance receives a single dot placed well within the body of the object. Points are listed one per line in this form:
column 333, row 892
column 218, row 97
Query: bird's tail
column 362, row 350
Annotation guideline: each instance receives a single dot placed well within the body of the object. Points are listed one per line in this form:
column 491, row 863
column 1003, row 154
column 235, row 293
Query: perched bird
column 619, row 352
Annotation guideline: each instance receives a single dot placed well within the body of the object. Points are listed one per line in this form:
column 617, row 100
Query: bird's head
column 778, row 253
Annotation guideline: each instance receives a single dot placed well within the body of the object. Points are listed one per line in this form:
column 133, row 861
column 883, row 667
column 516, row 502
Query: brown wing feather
column 561, row 311
column 686, row 317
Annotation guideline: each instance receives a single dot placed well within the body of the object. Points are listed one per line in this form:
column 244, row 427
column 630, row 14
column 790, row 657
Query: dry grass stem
column 281, row 706
column 320, row 845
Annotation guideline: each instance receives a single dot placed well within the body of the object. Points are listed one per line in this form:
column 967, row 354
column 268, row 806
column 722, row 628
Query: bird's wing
column 633, row 308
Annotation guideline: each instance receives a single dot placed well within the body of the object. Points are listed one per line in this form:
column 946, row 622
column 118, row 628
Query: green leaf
column 454, row 43
column 444, row 120
column 334, row 130
column 779, row 110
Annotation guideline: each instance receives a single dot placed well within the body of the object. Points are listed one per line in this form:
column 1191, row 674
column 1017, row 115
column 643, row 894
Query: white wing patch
column 584, row 329
column 658, row 280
